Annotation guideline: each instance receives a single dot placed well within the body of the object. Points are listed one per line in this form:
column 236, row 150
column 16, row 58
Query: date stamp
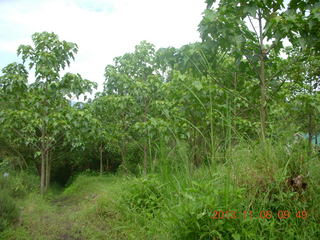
column 281, row 214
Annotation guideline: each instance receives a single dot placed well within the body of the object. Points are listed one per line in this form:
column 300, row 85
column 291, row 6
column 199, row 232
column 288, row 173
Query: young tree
column 254, row 29
column 246, row 29
column 134, row 76
column 44, row 115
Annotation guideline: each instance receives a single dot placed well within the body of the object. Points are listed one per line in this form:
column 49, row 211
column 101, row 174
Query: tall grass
column 177, row 202
column 252, row 178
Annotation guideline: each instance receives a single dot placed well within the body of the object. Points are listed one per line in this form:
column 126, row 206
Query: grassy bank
column 252, row 185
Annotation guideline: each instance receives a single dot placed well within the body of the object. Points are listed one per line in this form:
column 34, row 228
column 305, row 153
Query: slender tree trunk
column 229, row 127
column 101, row 162
column 263, row 83
column 108, row 167
column 193, row 145
column 263, row 102
column 310, row 120
column 43, row 162
column 310, row 131
column 235, row 85
column 145, row 145
column 145, row 158
column 234, row 109
column 197, row 157
column 123, row 153
column 43, row 172
column 48, row 165
column 212, row 148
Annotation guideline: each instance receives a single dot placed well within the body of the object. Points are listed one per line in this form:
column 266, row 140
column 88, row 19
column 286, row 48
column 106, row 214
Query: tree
column 99, row 129
column 43, row 117
column 244, row 29
column 13, row 91
column 303, row 85
column 135, row 77
column 300, row 22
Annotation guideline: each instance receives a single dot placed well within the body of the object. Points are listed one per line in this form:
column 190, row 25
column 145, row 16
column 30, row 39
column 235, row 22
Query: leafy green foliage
column 215, row 120
column 191, row 217
column 18, row 185
column 144, row 195
column 41, row 118
column 8, row 210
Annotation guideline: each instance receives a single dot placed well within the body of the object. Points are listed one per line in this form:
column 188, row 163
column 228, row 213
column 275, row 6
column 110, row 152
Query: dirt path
column 65, row 210
column 84, row 211
column 58, row 221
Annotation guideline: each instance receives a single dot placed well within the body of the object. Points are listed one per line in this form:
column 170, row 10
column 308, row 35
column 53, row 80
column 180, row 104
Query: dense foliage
column 250, row 86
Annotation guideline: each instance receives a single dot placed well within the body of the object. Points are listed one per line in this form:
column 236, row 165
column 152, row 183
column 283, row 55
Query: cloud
column 103, row 29
column 96, row 5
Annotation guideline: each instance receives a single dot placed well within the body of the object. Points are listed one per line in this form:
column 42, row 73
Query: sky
column 102, row 29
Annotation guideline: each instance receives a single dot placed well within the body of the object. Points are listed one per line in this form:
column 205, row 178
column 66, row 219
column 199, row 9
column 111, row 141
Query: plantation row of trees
column 239, row 82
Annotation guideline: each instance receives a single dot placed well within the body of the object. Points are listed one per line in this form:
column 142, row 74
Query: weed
column 8, row 210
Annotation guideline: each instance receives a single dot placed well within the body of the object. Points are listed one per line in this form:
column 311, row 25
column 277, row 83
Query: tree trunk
column 145, row 158
column 101, row 162
column 123, row 153
column 43, row 172
column 310, row 131
column 263, row 83
column 197, row 153
column 235, row 86
column 229, row 123
column 263, row 101
column 48, row 165
column 108, row 167
column 145, row 145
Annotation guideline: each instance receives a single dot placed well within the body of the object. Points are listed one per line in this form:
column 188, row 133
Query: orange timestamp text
column 281, row 214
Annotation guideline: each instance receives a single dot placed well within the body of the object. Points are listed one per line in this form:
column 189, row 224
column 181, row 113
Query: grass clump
column 253, row 179
column 9, row 212
column 192, row 216
column 144, row 195
column 19, row 184
column 178, row 204
column 14, row 186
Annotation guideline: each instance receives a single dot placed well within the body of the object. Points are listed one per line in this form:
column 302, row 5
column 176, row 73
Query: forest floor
column 174, row 206
column 74, row 213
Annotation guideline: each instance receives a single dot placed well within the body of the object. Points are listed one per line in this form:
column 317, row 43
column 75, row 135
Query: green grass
column 177, row 204
column 84, row 210
column 252, row 178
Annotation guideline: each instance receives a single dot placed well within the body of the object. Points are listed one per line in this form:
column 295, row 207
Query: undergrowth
column 251, row 183
column 247, row 196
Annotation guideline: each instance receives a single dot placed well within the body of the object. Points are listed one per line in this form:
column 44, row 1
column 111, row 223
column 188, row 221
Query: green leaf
column 197, row 85
column 37, row 154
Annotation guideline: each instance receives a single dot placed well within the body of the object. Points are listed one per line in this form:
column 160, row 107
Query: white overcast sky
column 103, row 29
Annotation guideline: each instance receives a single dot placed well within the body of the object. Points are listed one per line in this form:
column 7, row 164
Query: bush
column 8, row 210
column 19, row 184
column 81, row 184
column 191, row 217
column 144, row 195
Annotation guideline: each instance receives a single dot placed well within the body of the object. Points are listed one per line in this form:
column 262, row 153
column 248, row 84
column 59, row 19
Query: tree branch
column 253, row 27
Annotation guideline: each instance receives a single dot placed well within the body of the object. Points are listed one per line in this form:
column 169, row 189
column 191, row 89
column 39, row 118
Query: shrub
column 19, row 184
column 191, row 218
column 81, row 184
column 8, row 210
column 144, row 195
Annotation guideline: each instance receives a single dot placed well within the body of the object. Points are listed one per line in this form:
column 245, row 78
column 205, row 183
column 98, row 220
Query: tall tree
column 44, row 117
column 135, row 76
column 246, row 29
